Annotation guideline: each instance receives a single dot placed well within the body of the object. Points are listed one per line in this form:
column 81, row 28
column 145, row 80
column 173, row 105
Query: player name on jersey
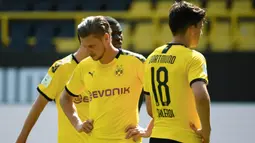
column 165, row 113
column 169, row 59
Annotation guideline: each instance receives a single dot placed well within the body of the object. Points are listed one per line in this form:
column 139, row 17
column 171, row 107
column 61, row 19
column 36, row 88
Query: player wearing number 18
column 176, row 79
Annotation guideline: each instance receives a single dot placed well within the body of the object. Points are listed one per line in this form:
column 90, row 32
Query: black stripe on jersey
column 77, row 62
column 166, row 48
column 169, row 45
column 69, row 92
column 44, row 95
column 198, row 79
column 138, row 56
column 118, row 55
column 177, row 44
column 146, row 93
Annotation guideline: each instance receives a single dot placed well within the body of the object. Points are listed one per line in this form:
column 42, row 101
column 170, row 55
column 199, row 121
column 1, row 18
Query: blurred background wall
column 35, row 33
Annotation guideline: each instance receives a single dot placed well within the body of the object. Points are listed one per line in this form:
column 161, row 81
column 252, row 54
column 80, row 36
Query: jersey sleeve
column 75, row 86
column 146, row 80
column 140, row 69
column 50, row 84
column 197, row 69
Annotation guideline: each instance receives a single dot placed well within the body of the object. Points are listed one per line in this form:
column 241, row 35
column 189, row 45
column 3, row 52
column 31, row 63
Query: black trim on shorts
column 69, row 92
column 198, row 79
column 159, row 140
column 77, row 62
column 146, row 93
column 141, row 100
column 44, row 95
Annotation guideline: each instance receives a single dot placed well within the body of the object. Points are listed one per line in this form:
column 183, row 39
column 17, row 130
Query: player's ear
column 188, row 31
column 191, row 30
column 107, row 37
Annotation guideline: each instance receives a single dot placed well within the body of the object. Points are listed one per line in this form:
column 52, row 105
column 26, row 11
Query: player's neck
column 80, row 54
column 181, row 40
column 109, row 55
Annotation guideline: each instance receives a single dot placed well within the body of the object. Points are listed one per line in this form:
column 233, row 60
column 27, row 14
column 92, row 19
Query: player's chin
column 95, row 58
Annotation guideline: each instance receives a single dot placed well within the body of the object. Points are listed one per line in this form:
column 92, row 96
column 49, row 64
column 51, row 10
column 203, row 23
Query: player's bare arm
column 149, row 111
column 203, row 108
column 32, row 117
column 137, row 132
column 148, row 105
column 66, row 102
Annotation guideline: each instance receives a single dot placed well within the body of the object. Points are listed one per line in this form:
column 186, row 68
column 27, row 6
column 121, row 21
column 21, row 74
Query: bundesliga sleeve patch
column 204, row 69
column 46, row 80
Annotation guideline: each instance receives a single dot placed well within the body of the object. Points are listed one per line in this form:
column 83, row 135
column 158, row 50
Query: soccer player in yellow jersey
column 53, row 84
column 176, row 80
column 114, row 79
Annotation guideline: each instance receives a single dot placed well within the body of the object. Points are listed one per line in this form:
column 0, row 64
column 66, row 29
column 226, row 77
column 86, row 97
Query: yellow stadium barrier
column 5, row 17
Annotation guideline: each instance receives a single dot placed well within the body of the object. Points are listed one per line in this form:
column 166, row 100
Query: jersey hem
column 198, row 79
column 44, row 95
column 70, row 93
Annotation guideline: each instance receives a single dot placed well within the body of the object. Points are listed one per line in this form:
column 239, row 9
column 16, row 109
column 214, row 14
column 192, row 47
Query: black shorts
column 141, row 101
column 158, row 140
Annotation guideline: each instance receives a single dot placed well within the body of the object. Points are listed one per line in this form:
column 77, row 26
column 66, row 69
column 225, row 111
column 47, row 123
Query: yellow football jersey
column 114, row 93
column 169, row 72
column 51, row 88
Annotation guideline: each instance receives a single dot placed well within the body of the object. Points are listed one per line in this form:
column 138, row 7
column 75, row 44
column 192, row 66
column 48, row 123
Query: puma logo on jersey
column 91, row 73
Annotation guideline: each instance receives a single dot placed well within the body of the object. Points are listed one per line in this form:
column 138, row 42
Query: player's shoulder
column 62, row 64
column 86, row 64
column 157, row 51
column 188, row 53
column 86, row 61
column 133, row 55
column 197, row 55
column 163, row 49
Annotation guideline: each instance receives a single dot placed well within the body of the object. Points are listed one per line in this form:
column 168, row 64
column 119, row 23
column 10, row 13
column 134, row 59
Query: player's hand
column 203, row 133
column 86, row 126
column 136, row 132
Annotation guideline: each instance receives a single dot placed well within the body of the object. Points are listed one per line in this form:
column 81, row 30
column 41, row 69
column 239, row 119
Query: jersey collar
column 170, row 43
column 119, row 53
column 77, row 62
column 113, row 61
